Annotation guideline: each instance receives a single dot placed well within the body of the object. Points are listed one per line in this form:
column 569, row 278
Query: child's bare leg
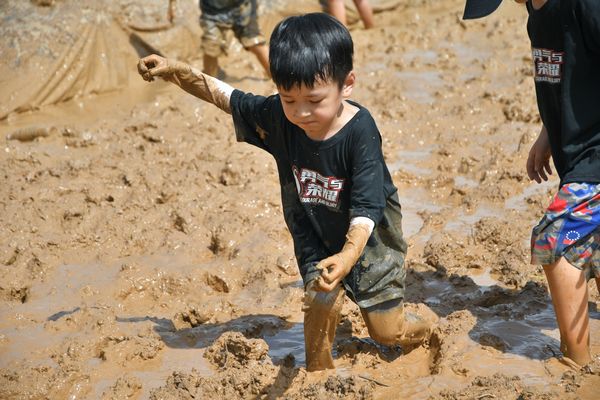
column 389, row 324
column 211, row 65
column 366, row 12
column 322, row 315
column 569, row 291
column 337, row 9
column 262, row 53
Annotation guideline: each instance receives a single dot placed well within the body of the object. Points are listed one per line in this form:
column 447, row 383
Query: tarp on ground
column 54, row 51
column 59, row 50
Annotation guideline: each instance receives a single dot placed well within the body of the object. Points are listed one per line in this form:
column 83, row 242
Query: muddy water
column 138, row 240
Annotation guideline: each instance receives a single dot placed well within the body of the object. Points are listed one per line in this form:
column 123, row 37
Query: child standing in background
column 216, row 19
column 565, row 48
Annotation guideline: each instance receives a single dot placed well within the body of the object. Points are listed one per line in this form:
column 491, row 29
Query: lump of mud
column 232, row 384
column 336, row 387
column 192, row 317
column 450, row 252
column 232, row 349
column 366, row 352
column 491, row 340
column 126, row 350
column 242, row 373
column 126, row 387
column 67, row 381
column 498, row 386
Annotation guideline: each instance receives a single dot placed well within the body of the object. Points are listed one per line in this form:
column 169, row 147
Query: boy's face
column 317, row 111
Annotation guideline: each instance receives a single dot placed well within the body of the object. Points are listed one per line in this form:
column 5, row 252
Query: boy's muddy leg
column 390, row 324
column 322, row 315
column 211, row 65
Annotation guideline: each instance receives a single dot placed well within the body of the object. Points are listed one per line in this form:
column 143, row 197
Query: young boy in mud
column 565, row 46
column 216, row 19
column 339, row 201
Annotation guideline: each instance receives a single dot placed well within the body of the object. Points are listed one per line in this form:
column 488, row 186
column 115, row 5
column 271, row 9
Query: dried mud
column 144, row 253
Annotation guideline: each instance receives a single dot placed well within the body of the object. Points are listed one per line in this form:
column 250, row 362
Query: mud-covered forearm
column 199, row 84
column 356, row 240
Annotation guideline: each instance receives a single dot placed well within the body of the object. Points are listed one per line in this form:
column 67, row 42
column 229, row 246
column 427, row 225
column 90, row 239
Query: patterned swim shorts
column 570, row 228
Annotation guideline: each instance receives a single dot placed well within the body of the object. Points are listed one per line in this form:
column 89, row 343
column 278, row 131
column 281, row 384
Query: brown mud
column 144, row 253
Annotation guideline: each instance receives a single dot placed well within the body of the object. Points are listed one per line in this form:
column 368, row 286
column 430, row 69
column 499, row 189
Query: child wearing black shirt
column 565, row 47
column 339, row 201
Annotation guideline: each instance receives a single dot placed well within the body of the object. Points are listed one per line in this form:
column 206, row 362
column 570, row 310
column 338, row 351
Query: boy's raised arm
column 190, row 79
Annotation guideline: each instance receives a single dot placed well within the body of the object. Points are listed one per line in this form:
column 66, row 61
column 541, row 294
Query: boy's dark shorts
column 380, row 273
column 242, row 20
column 571, row 229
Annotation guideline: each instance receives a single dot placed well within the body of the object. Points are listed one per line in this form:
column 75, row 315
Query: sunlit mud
column 144, row 253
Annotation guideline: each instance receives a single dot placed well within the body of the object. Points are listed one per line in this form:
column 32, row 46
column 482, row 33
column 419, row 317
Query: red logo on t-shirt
column 547, row 65
column 316, row 188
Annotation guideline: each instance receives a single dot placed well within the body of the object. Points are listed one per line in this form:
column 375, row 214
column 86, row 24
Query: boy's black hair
column 308, row 48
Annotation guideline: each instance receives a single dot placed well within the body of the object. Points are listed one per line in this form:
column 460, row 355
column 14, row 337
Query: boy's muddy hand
column 336, row 267
column 151, row 66
column 333, row 271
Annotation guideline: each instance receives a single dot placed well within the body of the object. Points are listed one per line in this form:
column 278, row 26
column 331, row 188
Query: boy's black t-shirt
column 565, row 41
column 326, row 183
column 331, row 181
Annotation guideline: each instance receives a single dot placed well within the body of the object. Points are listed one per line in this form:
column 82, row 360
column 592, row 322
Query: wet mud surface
column 144, row 253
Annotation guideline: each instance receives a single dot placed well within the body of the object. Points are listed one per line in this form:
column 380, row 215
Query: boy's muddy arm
column 538, row 161
column 336, row 267
column 190, row 79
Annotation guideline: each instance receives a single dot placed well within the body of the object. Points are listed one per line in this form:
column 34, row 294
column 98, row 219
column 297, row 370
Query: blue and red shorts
column 570, row 228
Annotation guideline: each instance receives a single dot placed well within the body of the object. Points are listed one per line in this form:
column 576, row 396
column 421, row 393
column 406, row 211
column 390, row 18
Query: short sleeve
column 257, row 119
column 589, row 18
column 371, row 182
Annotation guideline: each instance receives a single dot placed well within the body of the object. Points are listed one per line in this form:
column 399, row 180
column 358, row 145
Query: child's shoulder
column 241, row 96
column 361, row 109
column 589, row 6
column 363, row 113
column 362, row 127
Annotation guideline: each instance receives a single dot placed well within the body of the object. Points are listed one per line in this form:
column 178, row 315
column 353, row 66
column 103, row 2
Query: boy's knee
column 322, row 302
column 388, row 331
column 384, row 336
column 395, row 327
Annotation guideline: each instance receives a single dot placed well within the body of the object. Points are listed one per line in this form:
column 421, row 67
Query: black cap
column 480, row 8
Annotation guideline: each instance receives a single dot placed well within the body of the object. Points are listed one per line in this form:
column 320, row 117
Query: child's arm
column 191, row 80
column 171, row 12
column 336, row 267
column 538, row 161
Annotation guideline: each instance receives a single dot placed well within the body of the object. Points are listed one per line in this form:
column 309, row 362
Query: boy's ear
column 349, row 84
